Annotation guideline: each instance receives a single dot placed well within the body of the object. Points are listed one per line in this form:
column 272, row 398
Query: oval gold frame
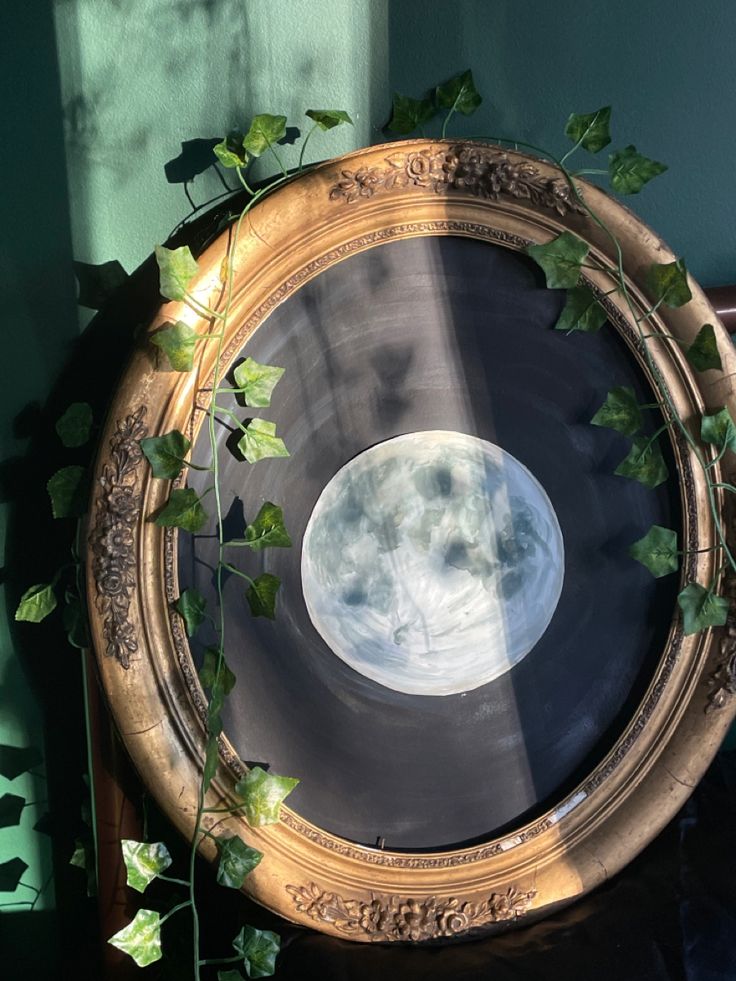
column 308, row 875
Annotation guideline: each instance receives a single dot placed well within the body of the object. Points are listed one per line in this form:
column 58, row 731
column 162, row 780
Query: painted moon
column 432, row 563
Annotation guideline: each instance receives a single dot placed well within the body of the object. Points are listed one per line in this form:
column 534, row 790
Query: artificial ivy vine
column 562, row 260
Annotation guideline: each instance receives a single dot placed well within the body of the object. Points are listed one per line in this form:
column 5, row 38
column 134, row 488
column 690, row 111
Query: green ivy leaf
column 560, row 259
column 257, row 382
column 11, row 808
column 265, row 130
column 268, row 530
column 176, row 268
column 701, row 609
column 667, row 283
column 144, row 861
column 74, row 620
column 36, row 603
column 591, row 129
column 230, row 152
column 212, row 756
column 183, row 510
column 329, row 118
column 657, row 550
column 141, row 939
column 409, row 114
column 208, row 673
column 67, row 492
column 15, row 760
column 11, row 873
column 73, row 428
column 237, row 860
column 629, row 171
column 191, row 606
column 262, row 794
column 582, row 311
column 644, row 463
column 260, row 441
column 459, row 94
column 620, row 411
column 719, row 429
column 703, row 352
column 259, row 949
column 261, row 595
column 177, row 341
column 166, row 453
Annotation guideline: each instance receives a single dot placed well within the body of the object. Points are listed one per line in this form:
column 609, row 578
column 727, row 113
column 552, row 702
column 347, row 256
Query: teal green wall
column 100, row 94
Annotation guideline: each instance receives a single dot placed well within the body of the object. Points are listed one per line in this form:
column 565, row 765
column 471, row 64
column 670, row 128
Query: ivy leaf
column 191, row 606
column 268, row 530
column 591, row 130
column 177, row 341
column 74, row 620
column 259, row 949
column 560, row 259
column 11, row 873
column 208, row 673
column 183, row 510
column 262, row 794
column 144, row 861
column 230, row 975
column 15, row 760
column 701, row 609
column 644, row 463
column 237, row 860
column 230, row 152
column 265, row 130
column 329, row 118
column 141, row 939
column 11, row 808
column 629, row 171
column 176, row 268
column 409, row 114
column 459, row 94
column 257, row 382
column 667, row 283
column 67, row 492
column 582, row 311
column 620, row 411
column 212, row 756
column 260, row 441
column 657, row 550
column 166, row 453
column 73, row 428
column 719, row 429
column 36, row 603
column 703, row 352
column 261, row 595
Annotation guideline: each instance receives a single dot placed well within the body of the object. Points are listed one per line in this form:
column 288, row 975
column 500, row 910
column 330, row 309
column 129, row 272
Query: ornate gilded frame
column 308, row 875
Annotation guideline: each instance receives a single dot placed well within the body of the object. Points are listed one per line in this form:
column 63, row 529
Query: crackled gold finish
column 345, row 206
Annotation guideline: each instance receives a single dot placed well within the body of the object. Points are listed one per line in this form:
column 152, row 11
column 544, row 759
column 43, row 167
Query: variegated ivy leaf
column 265, row 130
column 629, row 171
column 459, row 94
column 67, row 492
column 36, row 603
column 178, row 342
column 657, row 551
column 268, row 529
column 261, row 595
column 667, row 283
column 644, row 463
column 237, row 860
column 259, row 441
column 409, row 114
column 560, row 259
column 719, row 429
column 191, row 607
column 166, row 453
column 582, row 311
column 176, row 268
column 701, row 608
column 257, row 382
column 183, row 510
column 73, row 428
column 141, row 939
column 262, row 794
column 703, row 352
column 230, row 152
column 329, row 118
column 259, row 949
column 208, row 672
column 620, row 411
column 144, row 861
column 591, row 129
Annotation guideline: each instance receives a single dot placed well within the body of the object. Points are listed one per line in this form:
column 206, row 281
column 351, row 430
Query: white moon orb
column 432, row 562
